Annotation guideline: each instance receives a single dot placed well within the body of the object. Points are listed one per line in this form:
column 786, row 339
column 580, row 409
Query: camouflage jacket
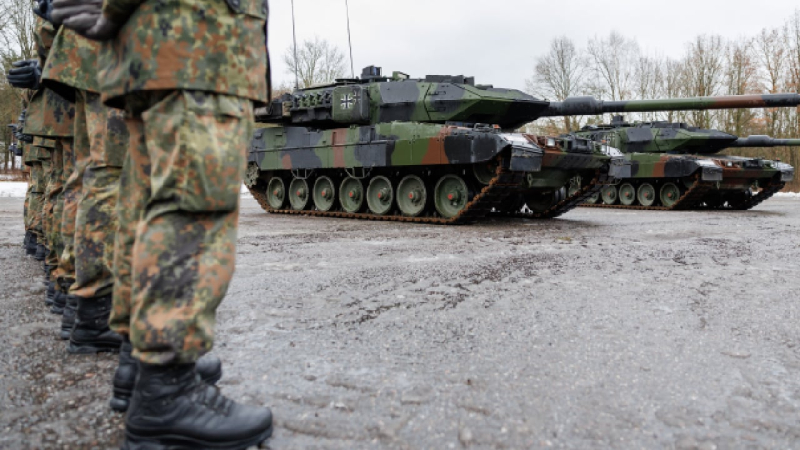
column 208, row 45
column 49, row 114
column 71, row 64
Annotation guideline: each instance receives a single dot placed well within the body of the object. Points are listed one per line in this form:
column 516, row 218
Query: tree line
column 614, row 67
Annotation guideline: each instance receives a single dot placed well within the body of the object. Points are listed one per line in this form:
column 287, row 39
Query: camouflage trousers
column 74, row 184
column 178, row 212
column 33, row 220
column 55, row 186
column 46, row 147
column 68, row 165
column 96, row 220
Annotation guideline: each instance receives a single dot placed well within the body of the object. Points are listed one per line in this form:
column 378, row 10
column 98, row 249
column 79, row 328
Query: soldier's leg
column 95, row 230
column 62, row 270
column 30, row 236
column 185, row 247
column 71, row 194
column 46, row 147
column 134, row 192
column 183, row 259
column 35, row 207
column 54, row 187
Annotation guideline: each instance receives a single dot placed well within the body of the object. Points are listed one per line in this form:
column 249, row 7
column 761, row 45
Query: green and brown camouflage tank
column 676, row 166
column 441, row 149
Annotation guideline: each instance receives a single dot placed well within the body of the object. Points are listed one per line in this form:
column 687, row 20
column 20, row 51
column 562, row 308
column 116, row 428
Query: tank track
column 689, row 200
column 566, row 205
column 694, row 197
column 489, row 198
column 768, row 191
column 485, row 204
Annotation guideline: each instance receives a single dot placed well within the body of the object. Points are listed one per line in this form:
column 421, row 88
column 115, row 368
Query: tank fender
column 709, row 170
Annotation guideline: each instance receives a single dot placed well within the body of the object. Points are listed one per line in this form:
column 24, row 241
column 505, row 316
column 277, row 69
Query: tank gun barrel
column 765, row 141
column 585, row 106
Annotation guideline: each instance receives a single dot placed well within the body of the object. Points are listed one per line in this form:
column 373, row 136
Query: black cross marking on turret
column 348, row 101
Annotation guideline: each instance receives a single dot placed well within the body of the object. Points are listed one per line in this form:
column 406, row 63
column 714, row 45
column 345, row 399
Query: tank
column 441, row 149
column 677, row 166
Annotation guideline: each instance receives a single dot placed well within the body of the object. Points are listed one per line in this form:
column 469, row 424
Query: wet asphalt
column 601, row 329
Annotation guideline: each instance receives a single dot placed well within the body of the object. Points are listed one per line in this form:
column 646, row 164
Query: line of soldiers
column 136, row 132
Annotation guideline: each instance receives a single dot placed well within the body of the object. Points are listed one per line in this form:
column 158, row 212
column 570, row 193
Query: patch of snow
column 13, row 189
column 795, row 195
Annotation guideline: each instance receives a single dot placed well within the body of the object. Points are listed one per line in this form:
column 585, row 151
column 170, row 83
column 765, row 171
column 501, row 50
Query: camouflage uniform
column 90, row 191
column 188, row 97
column 46, row 160
column 52, row 117
column 36, row 186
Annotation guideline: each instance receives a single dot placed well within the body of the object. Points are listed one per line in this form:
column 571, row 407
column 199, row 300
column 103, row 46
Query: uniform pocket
column 198, row 151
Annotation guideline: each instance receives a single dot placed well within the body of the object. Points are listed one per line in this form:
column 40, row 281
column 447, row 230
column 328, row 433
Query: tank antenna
column 294, row 37
column 349, row 41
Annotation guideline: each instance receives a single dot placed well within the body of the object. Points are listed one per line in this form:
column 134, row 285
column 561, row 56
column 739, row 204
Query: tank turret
column 375, row 98
column 673, row 137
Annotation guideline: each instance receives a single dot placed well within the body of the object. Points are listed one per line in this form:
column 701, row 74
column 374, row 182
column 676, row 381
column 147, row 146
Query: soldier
column 187, row 81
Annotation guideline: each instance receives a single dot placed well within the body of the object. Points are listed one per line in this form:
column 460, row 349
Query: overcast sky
column 497, row 40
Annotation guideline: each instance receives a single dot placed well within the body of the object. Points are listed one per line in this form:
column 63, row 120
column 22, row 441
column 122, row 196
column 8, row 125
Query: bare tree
column 559, row 74
column 649, row 79
column 704, row 72
column 17, row 25
column 614, row 60
column 741, row 71
column 318, row 62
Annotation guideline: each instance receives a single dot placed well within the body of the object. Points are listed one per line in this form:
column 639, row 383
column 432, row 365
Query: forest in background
column 611, row 67
column 614, row 67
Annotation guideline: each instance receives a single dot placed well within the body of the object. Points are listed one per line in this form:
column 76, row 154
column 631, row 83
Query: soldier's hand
column 44, row 9
column 85, row 17
column 25, row 74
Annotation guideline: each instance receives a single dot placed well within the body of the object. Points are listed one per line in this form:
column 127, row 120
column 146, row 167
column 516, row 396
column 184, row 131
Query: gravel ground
column 603, row 329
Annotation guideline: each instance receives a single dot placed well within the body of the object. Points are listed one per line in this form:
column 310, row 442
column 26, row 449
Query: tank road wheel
column 324, row 194
column 299, row 194
column 670, row 194
column 542, row 201
column 609, row 195
column 485, row 171
column 380, row 196
column 451, row 195
column 412, row 197
column 351, row 195
column 646, row 195
column 276, row 193
column 627, row 194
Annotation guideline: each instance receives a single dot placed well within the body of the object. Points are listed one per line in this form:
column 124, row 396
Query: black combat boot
column 91, row 333
column 171, row 408
column 59, row 303
column 41, row 252
column 208, row 368
column 50, row 293
column 68, row 319
column 26, row 239
column 33, row 245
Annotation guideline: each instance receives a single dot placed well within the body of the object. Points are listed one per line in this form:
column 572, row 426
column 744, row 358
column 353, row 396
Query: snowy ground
column 603, row 329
